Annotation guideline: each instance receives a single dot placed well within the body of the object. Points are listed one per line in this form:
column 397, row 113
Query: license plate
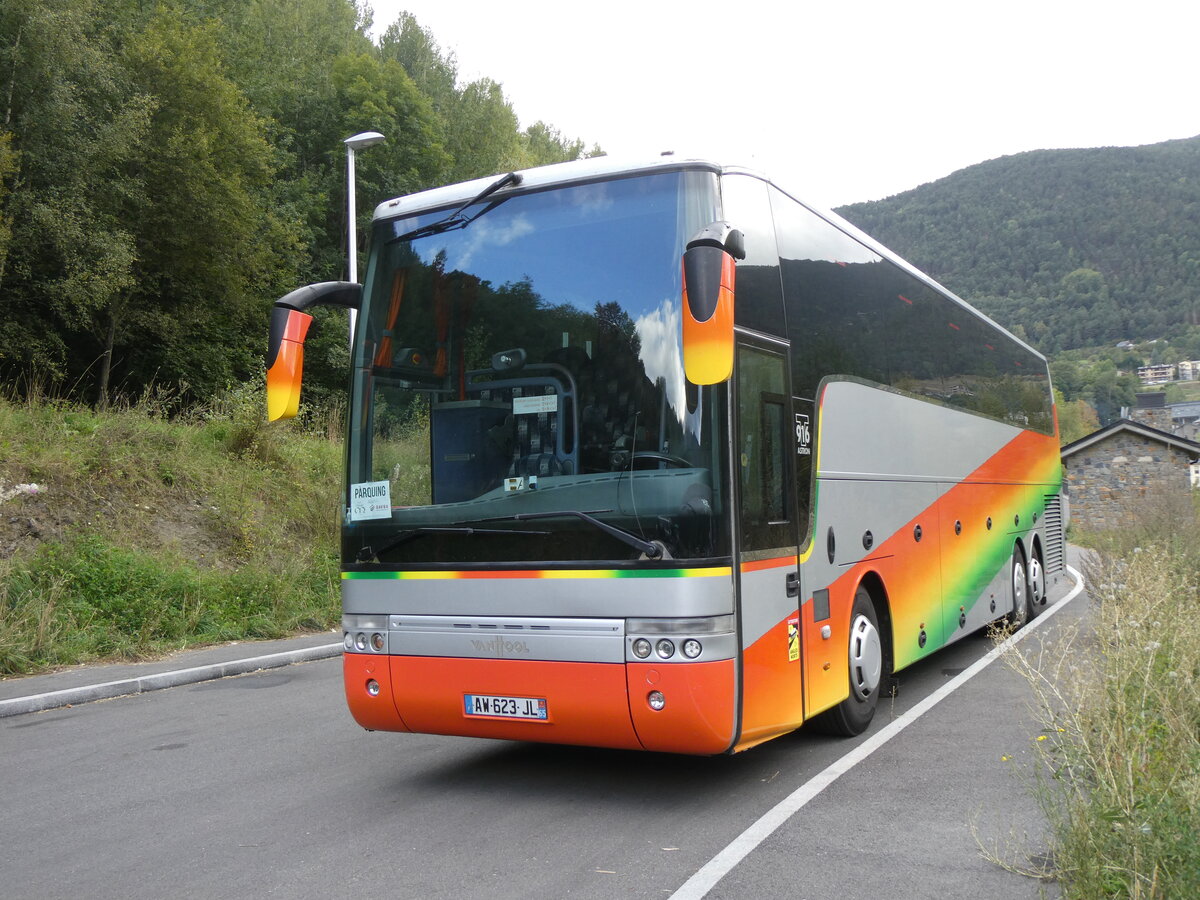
column 497, row 707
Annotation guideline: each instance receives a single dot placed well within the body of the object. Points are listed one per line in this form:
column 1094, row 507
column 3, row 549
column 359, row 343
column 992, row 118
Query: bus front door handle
column 793, row 584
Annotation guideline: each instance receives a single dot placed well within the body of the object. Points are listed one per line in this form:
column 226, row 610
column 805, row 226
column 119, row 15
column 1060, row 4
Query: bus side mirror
column 708, row 299
column 285, row 350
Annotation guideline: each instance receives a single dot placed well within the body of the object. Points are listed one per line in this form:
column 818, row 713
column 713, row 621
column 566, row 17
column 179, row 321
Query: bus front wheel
column 865, row 656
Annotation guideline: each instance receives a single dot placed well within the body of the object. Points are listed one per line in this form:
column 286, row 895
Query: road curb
column 70, row 696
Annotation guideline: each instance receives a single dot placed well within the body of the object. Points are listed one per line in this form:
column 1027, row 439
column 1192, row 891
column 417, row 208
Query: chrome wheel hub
column 1037, row 582
column 866, row 657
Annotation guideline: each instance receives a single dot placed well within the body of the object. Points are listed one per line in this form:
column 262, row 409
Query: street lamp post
column 357, row 142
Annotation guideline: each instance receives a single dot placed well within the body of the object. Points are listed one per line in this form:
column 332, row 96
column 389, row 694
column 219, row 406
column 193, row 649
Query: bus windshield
column 519, row 393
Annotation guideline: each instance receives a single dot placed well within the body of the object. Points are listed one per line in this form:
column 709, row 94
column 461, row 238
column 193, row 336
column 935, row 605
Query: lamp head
column 365, row 139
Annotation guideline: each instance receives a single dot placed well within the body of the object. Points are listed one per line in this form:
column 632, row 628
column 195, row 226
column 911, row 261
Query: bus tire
column 865, row 652
column 1022, row 610
column 1037, row 582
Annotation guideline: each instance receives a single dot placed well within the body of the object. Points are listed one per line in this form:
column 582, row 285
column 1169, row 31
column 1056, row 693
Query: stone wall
column 1159, row 418
column 1107, row 480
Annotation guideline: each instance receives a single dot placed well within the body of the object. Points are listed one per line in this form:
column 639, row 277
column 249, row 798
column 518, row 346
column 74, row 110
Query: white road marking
column 744, row 844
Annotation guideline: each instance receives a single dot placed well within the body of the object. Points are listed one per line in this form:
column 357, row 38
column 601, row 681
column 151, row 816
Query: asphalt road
column 261, row 785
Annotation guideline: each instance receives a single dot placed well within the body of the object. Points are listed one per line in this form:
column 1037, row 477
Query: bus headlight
column 656, row 700
column 360, row 641
column 681, row 640
column 377, row 642
column 348, row 641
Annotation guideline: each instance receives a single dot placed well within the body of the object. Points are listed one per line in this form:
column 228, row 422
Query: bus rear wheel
column 1022, row 610
column 865, row 656
column 1037, row 582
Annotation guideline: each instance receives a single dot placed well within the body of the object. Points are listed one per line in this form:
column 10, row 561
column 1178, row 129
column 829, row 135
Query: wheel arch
column 872, row 581
column 1035, row 541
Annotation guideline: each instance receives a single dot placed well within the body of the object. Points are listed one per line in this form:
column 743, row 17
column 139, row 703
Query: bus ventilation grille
column 1053, row 527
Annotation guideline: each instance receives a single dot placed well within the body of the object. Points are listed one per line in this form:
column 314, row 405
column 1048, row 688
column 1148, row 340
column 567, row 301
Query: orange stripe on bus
column 757, row 565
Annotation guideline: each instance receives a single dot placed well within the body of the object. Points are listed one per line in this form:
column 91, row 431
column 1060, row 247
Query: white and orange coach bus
column 658, row 457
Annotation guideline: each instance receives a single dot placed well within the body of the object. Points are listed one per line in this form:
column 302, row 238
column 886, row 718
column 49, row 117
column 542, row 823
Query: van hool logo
column 498, row 646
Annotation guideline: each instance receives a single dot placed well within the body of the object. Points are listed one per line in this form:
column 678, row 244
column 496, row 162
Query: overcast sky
column 839, row 101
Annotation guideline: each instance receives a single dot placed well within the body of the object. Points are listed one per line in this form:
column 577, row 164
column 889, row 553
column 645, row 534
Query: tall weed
column 1120, row 703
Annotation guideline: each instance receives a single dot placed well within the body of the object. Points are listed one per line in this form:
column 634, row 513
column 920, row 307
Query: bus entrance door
column 767, row 565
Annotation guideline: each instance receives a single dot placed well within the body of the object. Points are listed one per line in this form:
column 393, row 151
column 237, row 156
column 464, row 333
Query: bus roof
column 543, row 176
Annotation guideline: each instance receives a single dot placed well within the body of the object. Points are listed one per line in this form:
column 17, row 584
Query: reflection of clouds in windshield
column 593, row 200
column 485, row 234
column 659, row 331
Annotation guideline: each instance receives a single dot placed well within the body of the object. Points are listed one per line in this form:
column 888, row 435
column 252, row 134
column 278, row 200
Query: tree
column 1110, row 391
column 542, row 145
column 8, row 167
column 73, row 121
column 207, row 249
column 1076, row 418
column 435, row 73
column 168, row 169
column 481, row 132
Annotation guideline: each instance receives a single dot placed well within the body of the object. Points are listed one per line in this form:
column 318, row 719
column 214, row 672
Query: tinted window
column 747, row 208
column 762, row 450
column 851, row 312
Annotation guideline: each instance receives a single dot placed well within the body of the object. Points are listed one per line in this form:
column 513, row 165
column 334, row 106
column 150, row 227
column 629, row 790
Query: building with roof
column 1106, row 473
column 1185, row 419
column 1156, row 374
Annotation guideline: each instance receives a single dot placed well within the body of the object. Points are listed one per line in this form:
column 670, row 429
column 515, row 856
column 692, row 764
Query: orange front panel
column 376, row 713
column 826, row 660
column 772, row 700
column 700, row 700
column 586, row 702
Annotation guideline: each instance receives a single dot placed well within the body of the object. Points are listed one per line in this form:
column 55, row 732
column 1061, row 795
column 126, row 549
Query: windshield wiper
column 368, row 553
column 652, row 549
column 456, row 219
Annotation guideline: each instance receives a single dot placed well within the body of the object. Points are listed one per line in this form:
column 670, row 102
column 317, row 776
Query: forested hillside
column 167, row 169
column 1067, row 248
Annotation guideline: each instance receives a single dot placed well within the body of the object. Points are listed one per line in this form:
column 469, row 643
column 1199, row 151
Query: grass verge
column 147, row 534
column 1120, row 708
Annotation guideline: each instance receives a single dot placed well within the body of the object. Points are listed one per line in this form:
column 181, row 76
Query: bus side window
column 764, row 448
